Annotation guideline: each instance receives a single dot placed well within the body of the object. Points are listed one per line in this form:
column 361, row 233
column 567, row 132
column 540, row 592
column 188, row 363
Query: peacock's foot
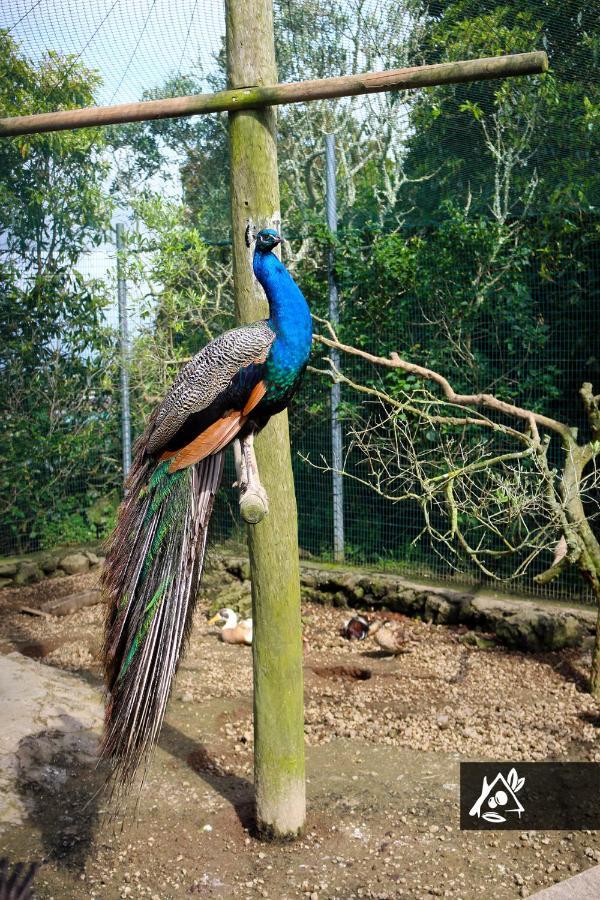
column 254, row 504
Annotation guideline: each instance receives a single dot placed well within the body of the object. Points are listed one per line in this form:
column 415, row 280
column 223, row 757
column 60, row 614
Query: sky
column 135, row 44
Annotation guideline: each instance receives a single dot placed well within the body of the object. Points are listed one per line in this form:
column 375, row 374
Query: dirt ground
column 384, row 739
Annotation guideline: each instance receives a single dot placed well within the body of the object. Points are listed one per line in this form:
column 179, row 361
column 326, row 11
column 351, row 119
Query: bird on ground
column 356, row 628
column 233, row 631
column 391, row 636
column 388, row 635
column 226, row 393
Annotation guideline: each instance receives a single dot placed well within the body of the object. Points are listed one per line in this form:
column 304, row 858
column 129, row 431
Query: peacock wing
column 205, row 382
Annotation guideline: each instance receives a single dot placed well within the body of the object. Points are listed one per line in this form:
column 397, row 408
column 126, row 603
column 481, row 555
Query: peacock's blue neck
column 289, row 314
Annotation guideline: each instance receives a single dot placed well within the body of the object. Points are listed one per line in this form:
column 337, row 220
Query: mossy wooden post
column 273, row 543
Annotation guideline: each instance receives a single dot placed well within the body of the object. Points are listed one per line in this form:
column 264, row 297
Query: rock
column 484, row 643
column 534, row 629
column 236, row 596
column 472, row 639
column 308, row 579
column 94, row 560
column 378, row 587
column 238, row 567
column 524, row 625
column 8, row 569
column 59, row 573
column 567, row 632
column 6, row 582
column 75, row 563
column 439, row 610
column 518, row 631
column 443, row 722
column 409, row 602
column 28, row 573
column 518, row 623
column 46, row 740
column 469, row 639
column 49, row 565
column 587, row 644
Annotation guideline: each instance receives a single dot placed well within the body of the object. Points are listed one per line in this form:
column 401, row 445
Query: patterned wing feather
column 206, row 377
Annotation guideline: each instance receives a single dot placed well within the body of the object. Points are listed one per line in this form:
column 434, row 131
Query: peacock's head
column 267, row 240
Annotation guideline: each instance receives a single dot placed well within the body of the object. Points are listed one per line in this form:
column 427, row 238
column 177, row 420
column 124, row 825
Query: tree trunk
column 595, row 669
column 273, row 543
column 591, row 572
column 588, row 562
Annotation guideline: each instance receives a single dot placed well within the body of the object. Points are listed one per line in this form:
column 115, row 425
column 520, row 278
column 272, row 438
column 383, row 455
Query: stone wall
column 519, row 623
column 17, row 571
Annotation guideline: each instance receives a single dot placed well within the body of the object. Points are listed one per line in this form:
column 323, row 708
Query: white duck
column 233, row 632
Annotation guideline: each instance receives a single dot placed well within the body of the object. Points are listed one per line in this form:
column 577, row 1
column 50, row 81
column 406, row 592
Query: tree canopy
column 58, row 430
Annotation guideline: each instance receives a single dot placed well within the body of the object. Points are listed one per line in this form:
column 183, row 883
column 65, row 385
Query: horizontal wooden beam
column 272, row 95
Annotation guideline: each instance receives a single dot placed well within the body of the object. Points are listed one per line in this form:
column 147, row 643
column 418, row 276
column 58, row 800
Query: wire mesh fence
column 467, row 241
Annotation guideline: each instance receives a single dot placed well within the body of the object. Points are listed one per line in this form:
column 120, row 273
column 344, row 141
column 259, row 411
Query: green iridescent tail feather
column 151, row 578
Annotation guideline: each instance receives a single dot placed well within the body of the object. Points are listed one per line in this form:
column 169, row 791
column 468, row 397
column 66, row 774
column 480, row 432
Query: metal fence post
column 336, row 428
column 124, row 336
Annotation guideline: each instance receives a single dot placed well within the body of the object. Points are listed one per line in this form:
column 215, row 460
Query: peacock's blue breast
column 284, row 366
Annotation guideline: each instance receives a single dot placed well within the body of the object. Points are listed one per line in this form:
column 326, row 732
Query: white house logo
column 497, row 797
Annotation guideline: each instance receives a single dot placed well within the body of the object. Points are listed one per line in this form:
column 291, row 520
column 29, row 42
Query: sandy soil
column 384, row 738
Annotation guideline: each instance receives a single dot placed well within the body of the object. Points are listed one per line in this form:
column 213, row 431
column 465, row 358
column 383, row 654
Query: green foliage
column 468, row 237
column 187, row 294
column 547, row 122
column 486, row 266
column 67, row 524
column 57, row 404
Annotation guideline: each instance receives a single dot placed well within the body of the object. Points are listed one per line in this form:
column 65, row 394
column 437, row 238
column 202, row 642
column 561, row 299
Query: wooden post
column 273, row 543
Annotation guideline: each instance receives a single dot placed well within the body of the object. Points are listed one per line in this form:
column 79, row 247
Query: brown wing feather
column 257, row 393
column 212, row 439
column 216, row 436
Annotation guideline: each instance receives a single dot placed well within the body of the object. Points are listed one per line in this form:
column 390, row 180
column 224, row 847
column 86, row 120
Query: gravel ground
column 369, row 720
column 443, row 695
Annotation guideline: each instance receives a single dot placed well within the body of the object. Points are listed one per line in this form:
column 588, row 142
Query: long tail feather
column 151, row 576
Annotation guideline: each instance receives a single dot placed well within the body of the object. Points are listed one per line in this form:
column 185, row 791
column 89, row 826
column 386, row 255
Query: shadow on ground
column 60, row 782
column 239, row 792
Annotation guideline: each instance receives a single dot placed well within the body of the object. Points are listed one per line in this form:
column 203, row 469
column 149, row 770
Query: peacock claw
column 254, row 503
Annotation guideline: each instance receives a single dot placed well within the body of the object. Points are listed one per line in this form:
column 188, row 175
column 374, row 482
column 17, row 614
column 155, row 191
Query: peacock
column 226, row 393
